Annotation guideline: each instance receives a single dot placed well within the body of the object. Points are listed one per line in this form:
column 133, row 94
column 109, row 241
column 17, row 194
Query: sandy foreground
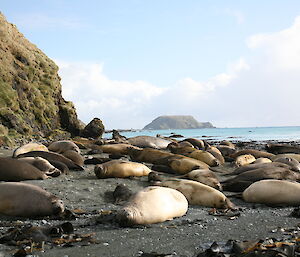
column 185, row 236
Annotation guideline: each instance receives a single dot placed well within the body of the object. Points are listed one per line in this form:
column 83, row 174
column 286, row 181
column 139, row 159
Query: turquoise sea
column 232, row 134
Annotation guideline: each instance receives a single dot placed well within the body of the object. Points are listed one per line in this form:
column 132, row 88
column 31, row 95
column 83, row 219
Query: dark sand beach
column 185, row 236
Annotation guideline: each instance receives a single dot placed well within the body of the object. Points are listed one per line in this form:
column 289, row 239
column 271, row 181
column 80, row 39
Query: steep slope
column 30, row 91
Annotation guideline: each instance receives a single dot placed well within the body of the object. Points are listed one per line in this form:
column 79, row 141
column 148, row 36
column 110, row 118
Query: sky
column 232, row 63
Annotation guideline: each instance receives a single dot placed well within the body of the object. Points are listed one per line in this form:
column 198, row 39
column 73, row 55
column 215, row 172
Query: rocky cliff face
column 30, row 91
column 177, row 122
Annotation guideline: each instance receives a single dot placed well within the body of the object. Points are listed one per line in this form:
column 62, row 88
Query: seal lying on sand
column 292, row 162
column 12, row 169
column 63, row 146
column 51, row 156
column 198, row 193
column 273, row 192
column 205, row 157
column 26, row 200
column 117, row 149
column 255, row 153
column 121, row 169
column 282, row 148
column 244, row 159
column 28, row 148
column 148, row 141
column 153, row 204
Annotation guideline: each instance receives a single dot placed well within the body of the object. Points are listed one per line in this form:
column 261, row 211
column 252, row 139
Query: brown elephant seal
column 26, row 200
column 151, row 205
column 63, row 146
column 243, row 160
column 182, row 164
column 216, row 153
column 43, row 165
column 75, row 157
column 226, row 151
column 205, row 157
column 204, row 176
column 29, row 148
column 273, row 192
column 227, row 143
column 238, row 183
column 197, row 143
column 121, row 169
column 12, row 169
column 255, row 153
column 288, row 155
column 148, row 155
column 198, row 194
column 121, row 193
column 51, row 156
column 292, row 162
column 117, row 149
column 148, row 141
column 282, row 148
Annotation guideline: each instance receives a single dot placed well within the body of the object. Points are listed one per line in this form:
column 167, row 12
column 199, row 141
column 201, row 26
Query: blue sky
column 128, row 62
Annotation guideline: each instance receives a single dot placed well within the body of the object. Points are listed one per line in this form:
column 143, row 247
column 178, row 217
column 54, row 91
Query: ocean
column 217, row 134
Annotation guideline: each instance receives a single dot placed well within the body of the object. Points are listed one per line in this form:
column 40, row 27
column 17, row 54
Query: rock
column 31, row 103
column 177, row 122
column 94, row 129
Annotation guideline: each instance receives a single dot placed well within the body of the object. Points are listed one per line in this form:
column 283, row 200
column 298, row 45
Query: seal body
column 244, row 159
column 255, row 153
column 74, row 156
column 292, row 162
column 12, row 169
column 183, row 165
column 121, row 169
column 198, row 193
column 153, row 204
column 273, row 192
column 117, row 149
column 204, row 176
column 28, row 148
column 148, row 155
column 148, row 141
column 63, row 146
column 26, row 200
column 205, row 157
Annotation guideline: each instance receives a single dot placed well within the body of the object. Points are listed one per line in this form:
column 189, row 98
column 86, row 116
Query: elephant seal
column 12, row 169
column 117, row 149
column 153, row 204
column 51, row 156
column 204, row 176
column 226, row 151
column 29, row 148
column 227, row 143
column 216, row 153
column 273, row 192
column 289, row 155
column 282, row 148
column 255, row 153
column 26, row 200
column 63, row 146
column 244, row 159
column 182, row 164
column 198, row 194
column 121, row 169
column 148, row 155
column 43, row 165
column 197, row 143
column 238, row 183
column 262, row 160
column 148, row 141
column 293, row 163
column 205, row 157
column 75, row 157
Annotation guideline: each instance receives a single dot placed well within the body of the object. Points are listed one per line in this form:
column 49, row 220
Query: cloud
column 260, row 91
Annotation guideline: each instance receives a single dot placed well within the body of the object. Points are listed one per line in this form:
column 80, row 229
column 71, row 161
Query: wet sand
column 185, row 236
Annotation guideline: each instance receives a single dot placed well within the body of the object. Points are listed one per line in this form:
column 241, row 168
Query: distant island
column 177, row 122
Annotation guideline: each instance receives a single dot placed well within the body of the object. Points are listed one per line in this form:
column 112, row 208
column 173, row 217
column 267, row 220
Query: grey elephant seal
column 153, row 204
column 198, row 194
column 26, row 200
column 282, row 148
column 63, row 146
column 121, row 169
column 12, row 169
column 29, row 148
column 292, row 162
column 273, row 192
column 51, row 156
column 148, row 141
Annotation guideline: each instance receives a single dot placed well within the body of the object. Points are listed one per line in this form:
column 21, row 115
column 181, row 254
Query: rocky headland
column 177, row 122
